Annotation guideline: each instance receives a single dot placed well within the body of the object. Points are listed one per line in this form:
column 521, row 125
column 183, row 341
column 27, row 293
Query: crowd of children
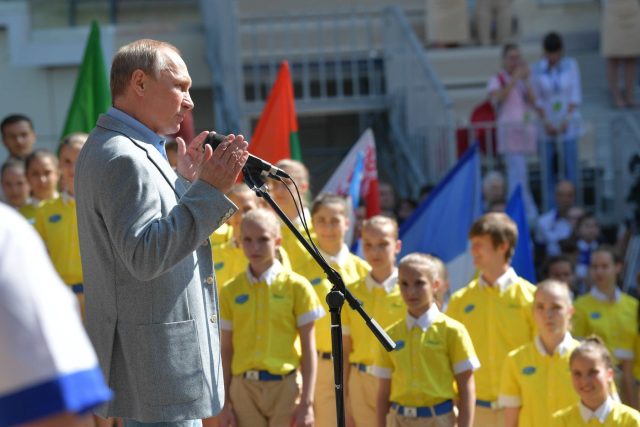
column 499, row 352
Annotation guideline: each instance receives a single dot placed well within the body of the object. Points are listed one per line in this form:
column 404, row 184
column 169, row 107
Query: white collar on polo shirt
column 268, row 276
column 600, row 296
column 503, row 282
column 600, row 414
column 423, row 322
column 339, row 259
column 387, row 284
column 562, row 349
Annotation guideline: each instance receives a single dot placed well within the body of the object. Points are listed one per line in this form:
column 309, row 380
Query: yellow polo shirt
column 537, row 383
column 615, row 322
column 499, row 319
column 264, row 315
column 429, row 352
column 57, row 224
column 351, row 268
column 619, row 415
column 229, row 261
column 383, row 302
column 221, row 235
column 28, row 211
column 298, row 255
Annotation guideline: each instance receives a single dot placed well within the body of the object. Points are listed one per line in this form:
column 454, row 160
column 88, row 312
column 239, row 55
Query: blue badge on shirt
column 399, row 345
column 469, row 308
column 55, row 218
column 595, row 315
column 316, row 281
column 529, row 370
column 218, row 266
column 241, row 299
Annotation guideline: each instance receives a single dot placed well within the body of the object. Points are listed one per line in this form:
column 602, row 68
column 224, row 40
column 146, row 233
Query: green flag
column 91, row 96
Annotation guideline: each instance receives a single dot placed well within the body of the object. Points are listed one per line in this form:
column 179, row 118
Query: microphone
column 253, row 162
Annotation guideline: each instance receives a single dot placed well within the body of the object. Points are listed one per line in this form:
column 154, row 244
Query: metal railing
column 420, row 111
column 334, row 58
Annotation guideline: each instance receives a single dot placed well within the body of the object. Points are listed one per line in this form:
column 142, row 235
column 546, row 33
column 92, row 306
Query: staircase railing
column 420, row 112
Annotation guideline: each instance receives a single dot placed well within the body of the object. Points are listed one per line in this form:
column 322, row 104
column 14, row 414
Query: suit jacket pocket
column 169, row 364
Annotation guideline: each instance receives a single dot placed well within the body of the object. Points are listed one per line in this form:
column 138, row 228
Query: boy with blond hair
column 380, row 296
column 330, row 220
column 433, row 351
column 495, row 307
column 263, row 311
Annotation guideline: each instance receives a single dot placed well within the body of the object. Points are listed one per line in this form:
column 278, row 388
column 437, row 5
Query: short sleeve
column 307, row 307
column 383, row 365
column 510, row 395
column 626, row 343
column 493, row 85
column 462, row 354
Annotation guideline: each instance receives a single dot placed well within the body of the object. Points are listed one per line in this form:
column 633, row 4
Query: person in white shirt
column 49, row 373
column 558, row 96
column 555, row 225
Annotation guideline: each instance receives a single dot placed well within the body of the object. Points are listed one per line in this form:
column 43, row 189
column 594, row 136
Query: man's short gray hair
column 144, row 54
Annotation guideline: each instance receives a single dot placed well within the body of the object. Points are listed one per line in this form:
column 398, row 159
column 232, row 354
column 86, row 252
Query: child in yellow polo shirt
column 612, row 315
column 592, row 376
column 262, row 312
column 495, row 308
column 228, row 258
column 380, row 296
column 536, row 381
column 416, row 386
column 43, row 175
column 330, row 221
column 56, row 221
column 298, row 255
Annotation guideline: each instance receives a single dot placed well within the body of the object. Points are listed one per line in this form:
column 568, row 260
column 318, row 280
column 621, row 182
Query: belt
column 487, row 404
column 363, row 368
column 424, row 411
column 264, row 376
column 77, row 288
column 324, row 355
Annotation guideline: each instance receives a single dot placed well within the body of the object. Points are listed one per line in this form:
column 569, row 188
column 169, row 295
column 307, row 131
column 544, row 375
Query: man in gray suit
column 151, row 301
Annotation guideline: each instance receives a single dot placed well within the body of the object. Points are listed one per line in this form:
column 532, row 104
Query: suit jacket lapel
column 153, row 154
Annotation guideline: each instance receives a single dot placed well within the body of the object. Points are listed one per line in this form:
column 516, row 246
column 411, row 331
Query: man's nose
column 187, row 102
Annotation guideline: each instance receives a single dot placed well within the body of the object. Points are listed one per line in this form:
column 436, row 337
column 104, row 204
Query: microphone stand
column 335, row 298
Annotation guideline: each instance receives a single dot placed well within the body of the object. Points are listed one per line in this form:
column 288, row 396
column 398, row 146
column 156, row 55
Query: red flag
column 276, row 135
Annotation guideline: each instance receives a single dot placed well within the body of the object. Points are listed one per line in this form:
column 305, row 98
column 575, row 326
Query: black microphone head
column 214, row 139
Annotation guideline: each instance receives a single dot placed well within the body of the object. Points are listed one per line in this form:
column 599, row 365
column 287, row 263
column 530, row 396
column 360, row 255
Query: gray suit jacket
column 151, row 301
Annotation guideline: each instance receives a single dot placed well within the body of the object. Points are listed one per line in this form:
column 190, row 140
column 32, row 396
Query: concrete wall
column 39, row 57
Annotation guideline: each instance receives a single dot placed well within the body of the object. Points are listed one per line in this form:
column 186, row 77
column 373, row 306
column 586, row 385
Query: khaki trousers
column 395, row 420
column 324, row 405
column 485, row 417
column 485, row 11
column 363, row 393
column 264, row 403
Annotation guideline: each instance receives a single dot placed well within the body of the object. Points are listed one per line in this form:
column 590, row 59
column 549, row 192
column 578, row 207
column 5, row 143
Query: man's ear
column 138, row 82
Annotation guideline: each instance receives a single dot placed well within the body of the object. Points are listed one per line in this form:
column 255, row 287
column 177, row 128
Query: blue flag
column 522, row 261
column 440, row 225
